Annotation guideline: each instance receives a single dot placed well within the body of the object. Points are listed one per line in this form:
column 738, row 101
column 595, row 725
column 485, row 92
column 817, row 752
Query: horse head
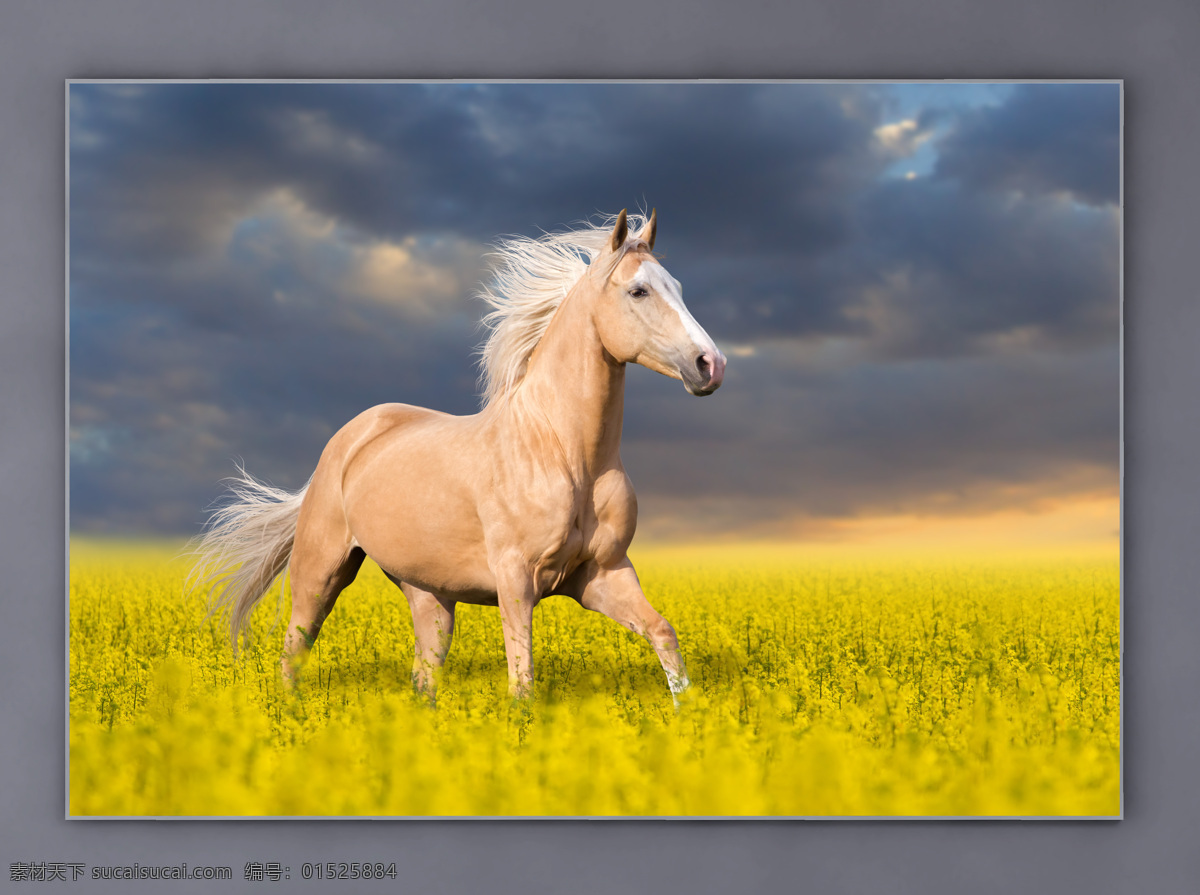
column 641, row 317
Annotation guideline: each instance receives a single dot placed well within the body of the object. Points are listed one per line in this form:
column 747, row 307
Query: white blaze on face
column 652, row 276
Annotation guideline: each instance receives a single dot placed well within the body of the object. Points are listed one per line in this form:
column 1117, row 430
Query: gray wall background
column 1150, row 44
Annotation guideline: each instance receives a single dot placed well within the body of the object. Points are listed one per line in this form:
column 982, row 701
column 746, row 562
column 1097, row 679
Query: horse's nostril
column 704, row 366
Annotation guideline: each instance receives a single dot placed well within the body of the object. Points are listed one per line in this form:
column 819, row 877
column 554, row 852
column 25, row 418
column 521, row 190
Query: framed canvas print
column 392, row 493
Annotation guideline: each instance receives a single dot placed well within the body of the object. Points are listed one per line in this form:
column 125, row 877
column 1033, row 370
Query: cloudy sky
column 917, row 287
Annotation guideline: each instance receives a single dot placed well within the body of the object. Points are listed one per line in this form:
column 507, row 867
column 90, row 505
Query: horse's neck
column 577, row 388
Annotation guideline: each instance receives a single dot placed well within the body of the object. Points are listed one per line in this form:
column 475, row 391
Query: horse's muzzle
column 709, row 373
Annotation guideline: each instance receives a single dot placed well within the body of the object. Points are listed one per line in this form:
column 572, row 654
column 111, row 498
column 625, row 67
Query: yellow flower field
column 827, row 682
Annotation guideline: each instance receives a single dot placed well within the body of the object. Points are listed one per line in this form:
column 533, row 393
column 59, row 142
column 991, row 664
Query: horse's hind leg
column 433, row 628
column 316, row 583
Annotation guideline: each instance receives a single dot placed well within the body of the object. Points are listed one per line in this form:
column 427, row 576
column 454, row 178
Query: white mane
column 530, row 278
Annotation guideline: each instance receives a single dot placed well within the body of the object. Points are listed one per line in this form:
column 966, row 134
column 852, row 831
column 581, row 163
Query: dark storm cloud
column 252, row 265
column 1047, row 138
column 472, row 159
column 942, row 435
column 947, row 271
column 769, row 195
column 750, row 181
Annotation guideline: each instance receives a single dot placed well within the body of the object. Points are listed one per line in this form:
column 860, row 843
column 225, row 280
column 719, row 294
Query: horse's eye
column 638, row 292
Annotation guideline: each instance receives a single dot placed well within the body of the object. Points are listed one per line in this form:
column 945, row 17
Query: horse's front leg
column 516, row 594
column 617, row 593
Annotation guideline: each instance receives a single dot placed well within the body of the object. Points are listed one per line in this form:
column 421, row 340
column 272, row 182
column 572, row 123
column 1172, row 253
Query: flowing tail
column 246, row 545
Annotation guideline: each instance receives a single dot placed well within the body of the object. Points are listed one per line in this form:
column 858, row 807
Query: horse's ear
column 620, row 231
column 651, row 228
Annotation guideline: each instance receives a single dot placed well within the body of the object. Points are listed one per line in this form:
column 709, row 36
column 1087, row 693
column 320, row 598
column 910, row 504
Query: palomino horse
column 525, row 499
